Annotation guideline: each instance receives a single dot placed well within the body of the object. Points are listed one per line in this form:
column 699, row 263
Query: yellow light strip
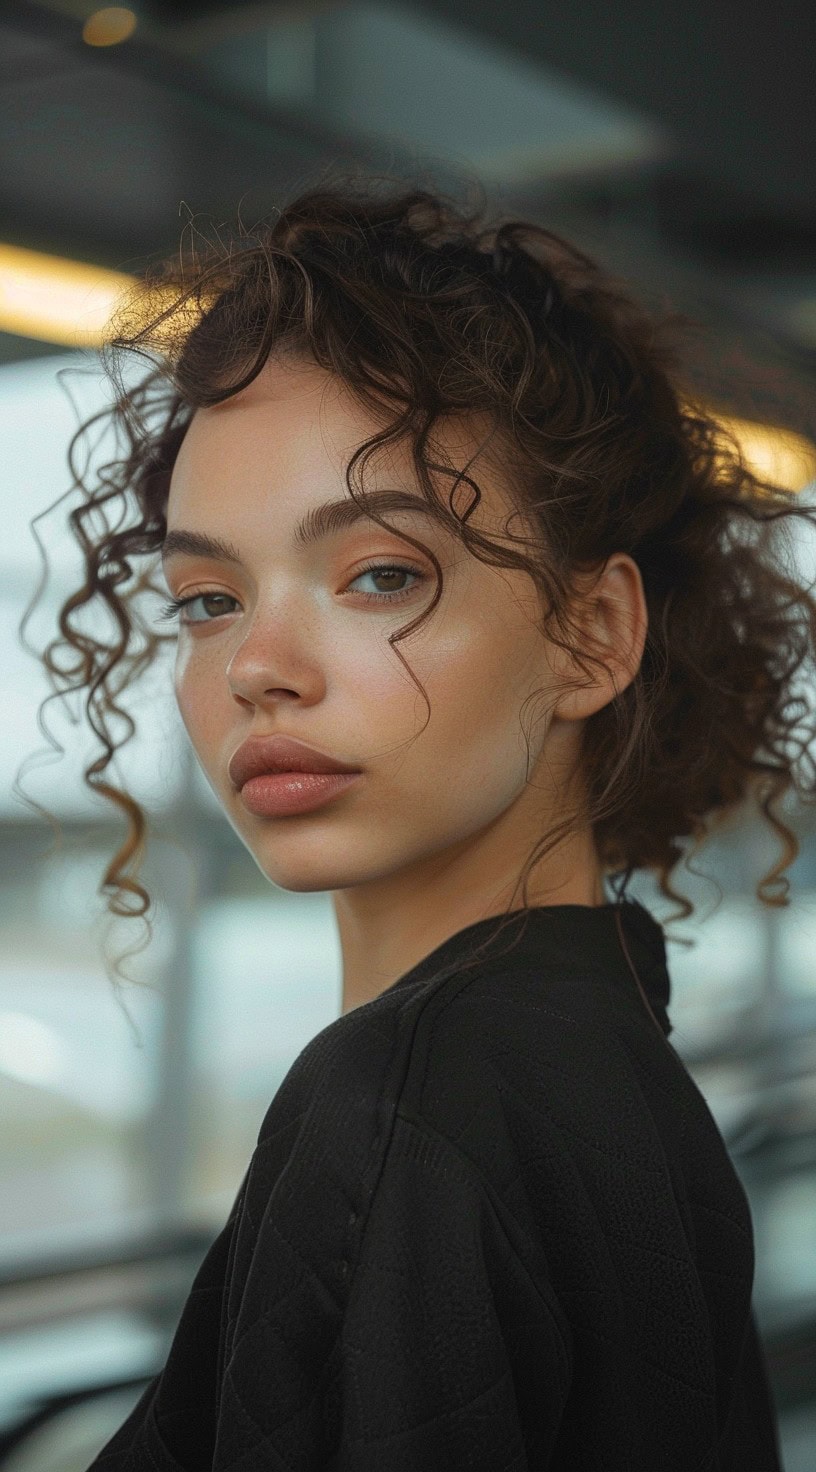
column 55, row 300
column 778, row 455
column 67, row 302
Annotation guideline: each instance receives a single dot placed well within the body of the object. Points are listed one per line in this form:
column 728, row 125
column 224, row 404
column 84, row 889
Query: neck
column 387, row 927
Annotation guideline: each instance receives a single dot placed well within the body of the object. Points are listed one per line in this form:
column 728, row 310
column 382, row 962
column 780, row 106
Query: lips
column 260, row 755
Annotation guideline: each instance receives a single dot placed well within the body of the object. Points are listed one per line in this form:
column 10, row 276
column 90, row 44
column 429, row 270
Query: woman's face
column 291, row 644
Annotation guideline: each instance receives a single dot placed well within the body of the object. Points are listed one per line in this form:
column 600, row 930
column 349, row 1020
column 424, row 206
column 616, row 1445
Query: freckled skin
column 435, row 835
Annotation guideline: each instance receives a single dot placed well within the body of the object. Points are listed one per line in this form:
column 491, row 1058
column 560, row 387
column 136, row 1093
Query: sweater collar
column 587, row 933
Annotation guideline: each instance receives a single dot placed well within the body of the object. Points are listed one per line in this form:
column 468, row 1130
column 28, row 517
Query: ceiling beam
column 733, row 82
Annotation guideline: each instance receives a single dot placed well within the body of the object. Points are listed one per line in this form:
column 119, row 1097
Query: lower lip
column 276, row 795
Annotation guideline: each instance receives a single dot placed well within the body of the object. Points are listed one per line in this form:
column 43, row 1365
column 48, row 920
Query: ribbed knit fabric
column 489, row 1225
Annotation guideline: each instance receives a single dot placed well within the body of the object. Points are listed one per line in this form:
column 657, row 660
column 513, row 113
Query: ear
column 610, row 611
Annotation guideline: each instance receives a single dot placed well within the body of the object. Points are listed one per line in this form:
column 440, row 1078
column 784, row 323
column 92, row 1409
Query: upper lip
column 265, row 754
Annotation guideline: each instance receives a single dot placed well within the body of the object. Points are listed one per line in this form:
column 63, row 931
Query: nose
column 271, row 664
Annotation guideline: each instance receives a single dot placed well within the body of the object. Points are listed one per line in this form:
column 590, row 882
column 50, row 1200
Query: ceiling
column 676, row 142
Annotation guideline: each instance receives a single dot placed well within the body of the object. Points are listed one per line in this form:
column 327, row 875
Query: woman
column 489, row 1222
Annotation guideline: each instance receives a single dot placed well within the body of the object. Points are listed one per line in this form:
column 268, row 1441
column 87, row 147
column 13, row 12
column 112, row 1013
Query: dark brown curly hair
column 424, row 309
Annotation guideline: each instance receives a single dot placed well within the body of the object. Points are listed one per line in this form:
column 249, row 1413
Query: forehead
column 296, row 420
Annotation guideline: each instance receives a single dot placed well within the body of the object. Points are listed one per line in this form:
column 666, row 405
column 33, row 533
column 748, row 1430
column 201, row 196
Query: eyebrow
column 322, row 521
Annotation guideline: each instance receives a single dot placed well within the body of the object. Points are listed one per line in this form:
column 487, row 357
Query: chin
column 307, row 872
column 322, row 870
column 317, row 853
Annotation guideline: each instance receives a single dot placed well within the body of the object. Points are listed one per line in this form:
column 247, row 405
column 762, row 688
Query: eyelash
column 172, row 609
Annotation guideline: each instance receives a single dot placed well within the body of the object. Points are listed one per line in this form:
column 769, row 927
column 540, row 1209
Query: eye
column 389, row 570
column 173, row 608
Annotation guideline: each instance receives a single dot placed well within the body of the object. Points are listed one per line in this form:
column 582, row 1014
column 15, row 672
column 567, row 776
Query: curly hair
column 424, row 308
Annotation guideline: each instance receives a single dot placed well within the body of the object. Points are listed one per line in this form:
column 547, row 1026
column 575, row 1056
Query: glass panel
column 75, row 1088
column 37, row 421
column 149, row 764
column 719, row 977
column 39, row 413
column 797, row 945
column 784, row 1237
column 267, row 979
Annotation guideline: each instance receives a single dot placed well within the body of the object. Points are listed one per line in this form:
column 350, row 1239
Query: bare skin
column 436, row 833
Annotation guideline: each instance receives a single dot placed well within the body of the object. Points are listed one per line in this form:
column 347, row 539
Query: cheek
column 199, row 696
column 481, row 678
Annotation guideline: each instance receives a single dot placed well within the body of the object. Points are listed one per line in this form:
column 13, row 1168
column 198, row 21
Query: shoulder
column 349, row 1065
column 546, row 1077
column 453, row 1054
column 496, row 1033
column 500, row 1062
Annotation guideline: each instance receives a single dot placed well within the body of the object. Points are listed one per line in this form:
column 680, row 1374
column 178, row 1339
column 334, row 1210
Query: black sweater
column 489, row 1224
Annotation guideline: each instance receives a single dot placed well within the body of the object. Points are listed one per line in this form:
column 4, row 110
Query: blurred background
column 676, row 142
